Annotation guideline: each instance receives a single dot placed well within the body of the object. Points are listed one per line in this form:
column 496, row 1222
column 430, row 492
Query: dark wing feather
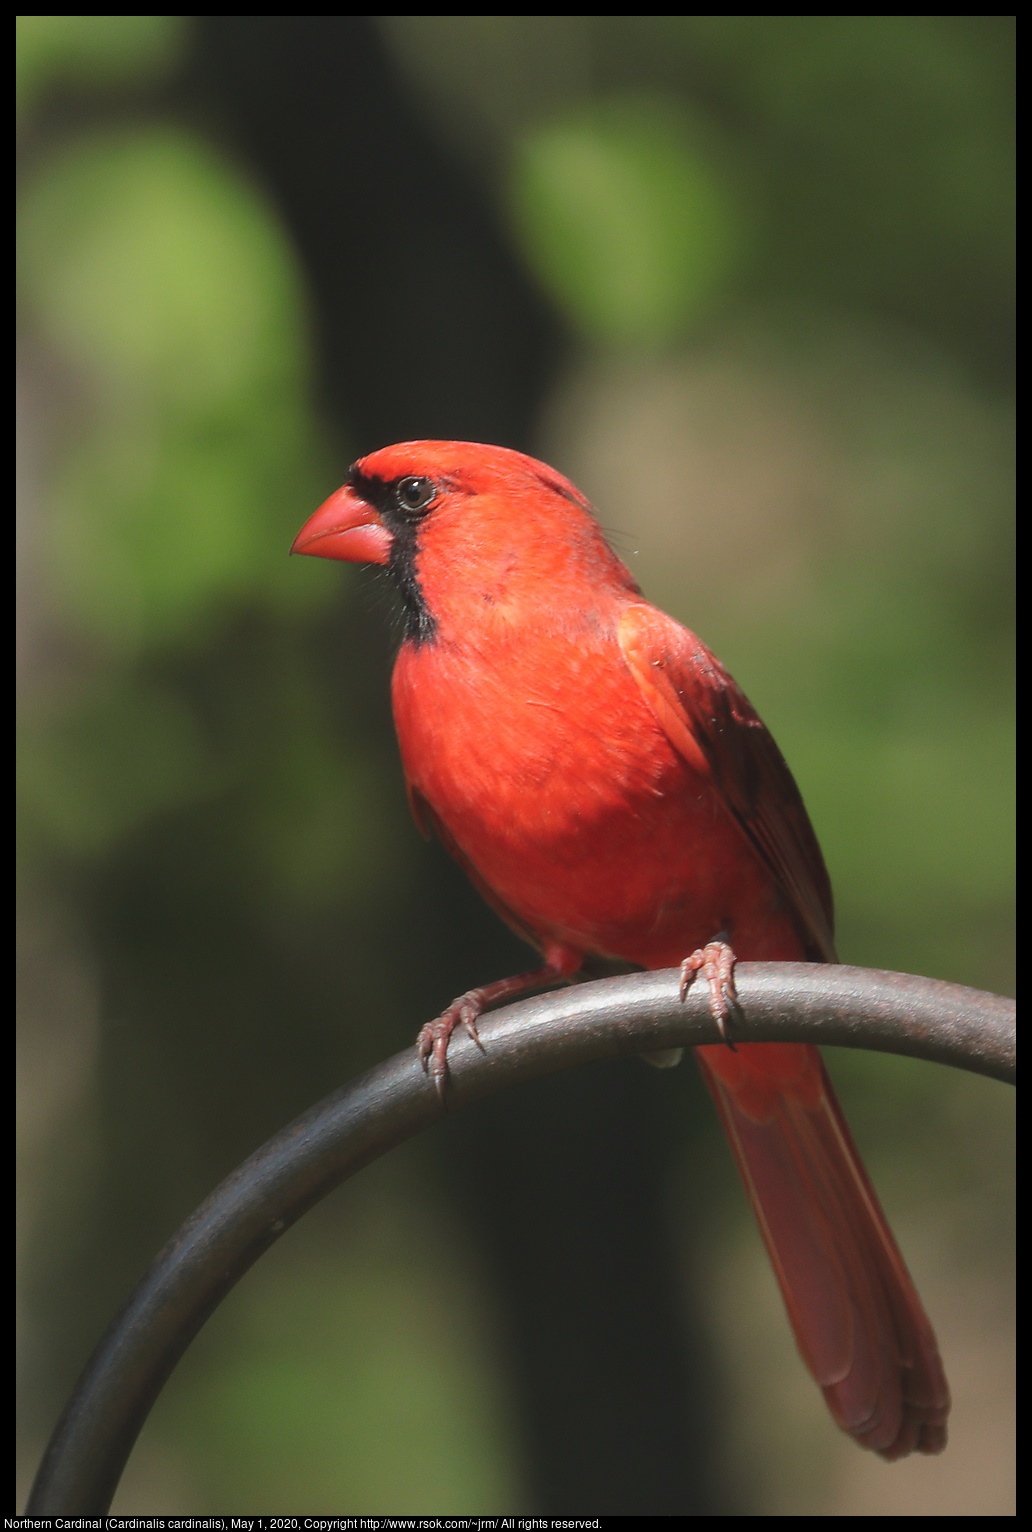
column 712, row 724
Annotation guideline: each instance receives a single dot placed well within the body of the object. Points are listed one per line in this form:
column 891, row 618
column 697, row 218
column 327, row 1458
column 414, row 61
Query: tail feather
column 858, row 1321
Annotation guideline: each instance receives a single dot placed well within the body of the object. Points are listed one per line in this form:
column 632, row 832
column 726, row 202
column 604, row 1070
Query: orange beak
column 345, row 527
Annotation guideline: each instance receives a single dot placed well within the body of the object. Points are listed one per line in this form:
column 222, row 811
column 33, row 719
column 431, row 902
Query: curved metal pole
column 786, row 1002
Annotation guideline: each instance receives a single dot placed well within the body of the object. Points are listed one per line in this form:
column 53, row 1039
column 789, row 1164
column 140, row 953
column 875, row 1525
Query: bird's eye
column 415, row 494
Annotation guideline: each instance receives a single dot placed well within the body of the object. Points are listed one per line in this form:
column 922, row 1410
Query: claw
column 432, row 1042
column 468, row 1017
column 716, row 963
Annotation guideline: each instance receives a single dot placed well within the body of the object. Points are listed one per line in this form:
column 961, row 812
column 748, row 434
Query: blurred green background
column 748, row 281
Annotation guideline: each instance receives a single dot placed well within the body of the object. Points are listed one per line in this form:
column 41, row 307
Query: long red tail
column 856, row 1315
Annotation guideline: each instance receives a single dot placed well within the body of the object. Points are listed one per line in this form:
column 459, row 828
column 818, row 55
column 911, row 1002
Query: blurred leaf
column 164, row 280
column 94, row 51
column 626, row 218
column 102, row 768
column 150, row 260
column 889, row 146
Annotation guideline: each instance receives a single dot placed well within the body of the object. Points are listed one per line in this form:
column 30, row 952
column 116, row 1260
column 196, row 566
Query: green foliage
column 157, row 273
column 626, row 219
column 893, row 137
column 168, row 293
column 94, row 51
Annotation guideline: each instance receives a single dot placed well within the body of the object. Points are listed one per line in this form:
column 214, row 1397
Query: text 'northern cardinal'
column 611, row 792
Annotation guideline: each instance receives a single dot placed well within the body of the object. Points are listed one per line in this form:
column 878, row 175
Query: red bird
column 611, row 793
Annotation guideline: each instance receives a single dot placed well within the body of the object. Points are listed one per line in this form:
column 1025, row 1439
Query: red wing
column 711, row 723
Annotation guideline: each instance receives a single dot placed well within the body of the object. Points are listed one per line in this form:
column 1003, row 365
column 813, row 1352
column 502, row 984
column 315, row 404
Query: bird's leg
column 716, row 963
column 432, row 1042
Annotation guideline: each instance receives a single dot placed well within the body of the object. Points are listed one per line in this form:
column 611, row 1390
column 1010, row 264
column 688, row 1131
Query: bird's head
column 464, row 528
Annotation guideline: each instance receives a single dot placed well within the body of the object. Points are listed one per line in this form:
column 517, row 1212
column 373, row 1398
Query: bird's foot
column 432, row 1042
column 716, row 963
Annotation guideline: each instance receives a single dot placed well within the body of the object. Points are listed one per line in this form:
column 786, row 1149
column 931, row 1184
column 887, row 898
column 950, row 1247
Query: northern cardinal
column 612, row 794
